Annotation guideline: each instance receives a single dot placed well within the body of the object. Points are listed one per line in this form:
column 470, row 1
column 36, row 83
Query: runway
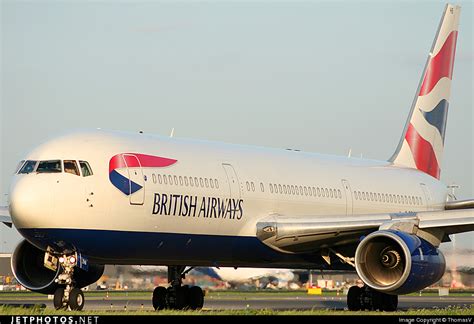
column 216, row 302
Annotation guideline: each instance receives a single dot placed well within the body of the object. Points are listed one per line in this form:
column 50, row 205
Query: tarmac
column 273, row 303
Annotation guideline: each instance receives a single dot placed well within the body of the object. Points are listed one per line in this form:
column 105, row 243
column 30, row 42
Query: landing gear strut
column 177, row 296
column 366, row 298
column 66, row 296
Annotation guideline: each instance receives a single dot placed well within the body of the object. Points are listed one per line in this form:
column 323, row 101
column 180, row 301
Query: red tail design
column 423, row 153
column 441, row 65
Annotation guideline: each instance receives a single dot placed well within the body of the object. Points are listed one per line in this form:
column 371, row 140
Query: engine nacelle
column 27, row 264
column 398, row 263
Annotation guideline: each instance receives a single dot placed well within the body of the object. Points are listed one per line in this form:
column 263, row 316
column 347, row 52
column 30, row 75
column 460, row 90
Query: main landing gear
column 66, row 296
column 366, row 298
column 177, row 296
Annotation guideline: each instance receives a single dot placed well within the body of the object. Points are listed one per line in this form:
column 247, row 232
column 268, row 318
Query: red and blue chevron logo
column 440, row 66
column 122, row 163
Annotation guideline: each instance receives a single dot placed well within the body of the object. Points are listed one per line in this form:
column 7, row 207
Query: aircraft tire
column 76, row 299
column 195, row 298
column 353, row 298
column 58, row 298
column 159, row 298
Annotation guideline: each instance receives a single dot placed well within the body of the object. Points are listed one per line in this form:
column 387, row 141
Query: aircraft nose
column 30, row 201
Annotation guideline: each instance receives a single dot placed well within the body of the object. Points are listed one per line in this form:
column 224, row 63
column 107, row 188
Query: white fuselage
column 237, row 187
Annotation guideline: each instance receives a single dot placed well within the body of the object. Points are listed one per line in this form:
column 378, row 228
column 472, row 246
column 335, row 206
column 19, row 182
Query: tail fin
column 422, row 142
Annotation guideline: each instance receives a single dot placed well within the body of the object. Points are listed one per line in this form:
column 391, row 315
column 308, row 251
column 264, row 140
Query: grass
column 450, row 311
column 229, row 294
column 25, row 296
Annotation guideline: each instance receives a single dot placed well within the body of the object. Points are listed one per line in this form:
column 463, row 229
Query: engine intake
column 27, row 265
column 398, row 263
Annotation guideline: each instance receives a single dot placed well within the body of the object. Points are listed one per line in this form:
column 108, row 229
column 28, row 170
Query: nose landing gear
column 177, row 296
column 66, row 296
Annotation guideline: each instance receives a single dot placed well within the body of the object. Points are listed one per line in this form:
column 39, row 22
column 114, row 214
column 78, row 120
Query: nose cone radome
column 30, row 201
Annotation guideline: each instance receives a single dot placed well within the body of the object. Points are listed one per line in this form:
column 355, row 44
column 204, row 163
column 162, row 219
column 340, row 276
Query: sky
column 324, row 77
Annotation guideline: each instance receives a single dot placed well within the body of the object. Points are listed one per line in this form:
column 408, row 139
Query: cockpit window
column 52, row 166
column 85, row 168
column 18, row 167
column 70, row 166
column 28, row 167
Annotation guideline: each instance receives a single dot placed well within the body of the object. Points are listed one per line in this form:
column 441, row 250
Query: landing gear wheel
column 58, row 298
column 177, row 296
column 354, row 298
column 76, row 299
column 159, row 298
column 390, row 302
column 182, row 294
column 195, row 298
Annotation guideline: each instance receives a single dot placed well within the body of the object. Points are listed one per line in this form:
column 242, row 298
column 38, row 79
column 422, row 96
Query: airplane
column 278, row 278
column 90, row 198
column 256, row 277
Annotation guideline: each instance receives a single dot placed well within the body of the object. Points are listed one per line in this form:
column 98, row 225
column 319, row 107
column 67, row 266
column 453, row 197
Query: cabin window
column 206, row 181
column 52, row 166
column 216, row 183
column 191, row 182
column 196, row 181
column 253, row 186
column 262, row 188
column 284, row 189
column 165, row 179
column 211, row 182
column 280, row 189
column 70, row 166
column 248, row 186
column 271, row 187
column 339, row 193
column 160, row 179
column 180, row 180
column 154, row 177
column 201, row 182
column 186, row 183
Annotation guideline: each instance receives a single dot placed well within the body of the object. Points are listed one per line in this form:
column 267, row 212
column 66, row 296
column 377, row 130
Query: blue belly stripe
column 126, row 247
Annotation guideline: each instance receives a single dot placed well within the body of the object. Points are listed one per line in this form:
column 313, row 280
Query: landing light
column 72, row 259
column 61, row 259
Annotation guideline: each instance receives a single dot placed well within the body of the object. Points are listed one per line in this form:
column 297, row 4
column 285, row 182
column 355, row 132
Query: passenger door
column 233, row 180
column 136, row 179
column 348, row 193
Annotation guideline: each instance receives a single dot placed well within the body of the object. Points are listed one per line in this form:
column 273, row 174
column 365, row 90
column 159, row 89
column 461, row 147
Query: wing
column 5, row 217
column 313, row 233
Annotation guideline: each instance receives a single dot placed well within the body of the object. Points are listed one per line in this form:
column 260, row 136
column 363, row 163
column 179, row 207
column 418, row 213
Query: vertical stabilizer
column 422, row 142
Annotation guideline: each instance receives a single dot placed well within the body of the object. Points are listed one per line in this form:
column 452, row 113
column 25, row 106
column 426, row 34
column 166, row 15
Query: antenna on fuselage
column 350, row 152
column 172, row 132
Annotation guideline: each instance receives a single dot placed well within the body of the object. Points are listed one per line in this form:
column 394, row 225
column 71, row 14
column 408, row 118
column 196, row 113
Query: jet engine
column 397, row 263
column 27, row 264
